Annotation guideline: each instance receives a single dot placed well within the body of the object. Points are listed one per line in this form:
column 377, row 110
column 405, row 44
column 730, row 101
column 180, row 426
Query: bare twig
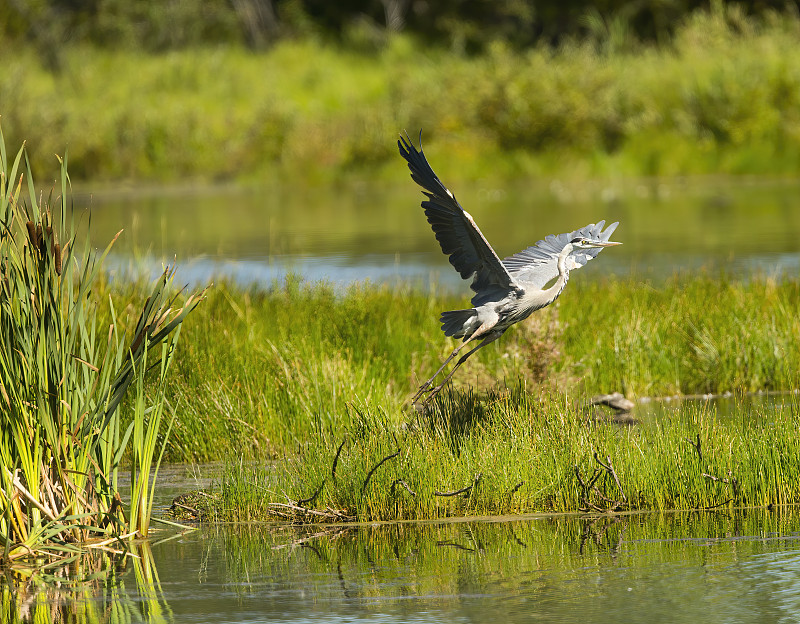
column 336, row 459
column 330, row 514
column 610, row 468
column 731, row 481
column 516, row 487
column 722, row 504
column 464, row 490
column 405, row 485
column 187, row 508
column 375, row 467
column 310, row 500
column 696, row 445
column 589, row 489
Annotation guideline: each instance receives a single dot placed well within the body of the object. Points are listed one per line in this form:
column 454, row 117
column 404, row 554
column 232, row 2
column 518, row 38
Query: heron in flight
column 506, row 291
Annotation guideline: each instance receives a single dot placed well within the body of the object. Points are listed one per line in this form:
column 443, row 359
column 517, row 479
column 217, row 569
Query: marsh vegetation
column 302, row 388
column 63, row 377
column 301, row 374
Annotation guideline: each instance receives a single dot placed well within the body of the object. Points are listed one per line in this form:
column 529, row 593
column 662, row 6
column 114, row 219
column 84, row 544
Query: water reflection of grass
column 91, row 590
column 432, row 561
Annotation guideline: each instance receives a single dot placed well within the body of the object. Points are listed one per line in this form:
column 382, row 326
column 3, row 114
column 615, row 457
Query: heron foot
column 427, row 389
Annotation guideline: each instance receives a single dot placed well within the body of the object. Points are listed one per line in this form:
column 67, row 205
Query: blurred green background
column 316, row 91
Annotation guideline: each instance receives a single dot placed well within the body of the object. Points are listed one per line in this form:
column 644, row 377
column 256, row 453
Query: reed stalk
column 63, row 376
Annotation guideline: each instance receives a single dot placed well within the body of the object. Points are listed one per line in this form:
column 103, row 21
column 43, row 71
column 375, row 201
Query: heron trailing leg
column 481, row 331
column 434, row 391
column 427, row 385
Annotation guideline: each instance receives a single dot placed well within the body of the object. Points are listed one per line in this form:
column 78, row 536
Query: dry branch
column 590, row 489
column 329, row 514
column 731, row 481
column 609, row 467
column 516, row 487
column 464, row 490
column 405, row 485
column 336, row 459
column 310, row 500
column 375, row 467
column 696, row 446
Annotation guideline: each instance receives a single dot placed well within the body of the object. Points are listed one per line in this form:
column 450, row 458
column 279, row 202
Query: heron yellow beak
column 608, row 244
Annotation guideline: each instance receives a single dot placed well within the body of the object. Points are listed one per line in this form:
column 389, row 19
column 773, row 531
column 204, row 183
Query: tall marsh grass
column 63, row 378
column 518, row 452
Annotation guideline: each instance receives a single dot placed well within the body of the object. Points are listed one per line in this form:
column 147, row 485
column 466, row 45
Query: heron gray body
column 506, row 291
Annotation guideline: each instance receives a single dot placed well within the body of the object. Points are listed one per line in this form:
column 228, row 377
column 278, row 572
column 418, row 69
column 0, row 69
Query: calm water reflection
column 678, row 567
column 356, row 232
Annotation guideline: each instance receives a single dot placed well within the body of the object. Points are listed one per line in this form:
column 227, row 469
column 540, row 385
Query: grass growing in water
column 516, row 452
column 264, row 371
column 320, row 380
column 62, row 381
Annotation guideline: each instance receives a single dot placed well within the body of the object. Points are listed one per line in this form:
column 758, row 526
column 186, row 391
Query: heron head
column 582, row 242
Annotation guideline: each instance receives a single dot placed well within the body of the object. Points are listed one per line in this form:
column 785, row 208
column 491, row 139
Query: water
column 368, row 232
column 742, row 566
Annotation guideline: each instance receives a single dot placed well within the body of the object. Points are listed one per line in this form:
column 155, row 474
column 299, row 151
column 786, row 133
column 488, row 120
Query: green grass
column 722, row 96
column 264, row 371
column 295, row 372
column 63, row 378
column 522, row 452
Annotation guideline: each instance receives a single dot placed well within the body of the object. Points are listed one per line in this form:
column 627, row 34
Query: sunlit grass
column 517, row 452
column 63, row 378
column 321, row 381
column 263, row 371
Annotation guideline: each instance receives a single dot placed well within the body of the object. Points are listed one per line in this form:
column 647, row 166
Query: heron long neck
column 554, row 291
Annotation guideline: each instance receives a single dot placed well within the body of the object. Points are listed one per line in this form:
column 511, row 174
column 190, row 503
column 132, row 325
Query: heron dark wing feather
column 458, row 235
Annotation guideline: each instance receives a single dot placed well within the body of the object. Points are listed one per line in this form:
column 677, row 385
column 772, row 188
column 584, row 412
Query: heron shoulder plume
column 505, row 291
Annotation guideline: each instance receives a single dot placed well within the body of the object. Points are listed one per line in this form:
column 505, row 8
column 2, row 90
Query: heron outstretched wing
column 537, row 265
column 461, row 240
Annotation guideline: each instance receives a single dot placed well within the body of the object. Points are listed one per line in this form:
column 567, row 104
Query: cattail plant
column 63, row 376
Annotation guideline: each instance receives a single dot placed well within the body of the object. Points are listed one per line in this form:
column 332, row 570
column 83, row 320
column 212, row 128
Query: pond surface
column 741, row 566
column 357, row 232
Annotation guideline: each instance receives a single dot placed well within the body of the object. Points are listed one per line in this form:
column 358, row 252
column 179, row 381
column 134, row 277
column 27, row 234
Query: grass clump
column 266, row 371
column 63, row 378
column 518, row 452
column 320, row 381
column 691, row 335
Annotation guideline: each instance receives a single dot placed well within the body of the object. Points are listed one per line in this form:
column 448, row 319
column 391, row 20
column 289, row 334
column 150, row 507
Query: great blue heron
column 506, row 291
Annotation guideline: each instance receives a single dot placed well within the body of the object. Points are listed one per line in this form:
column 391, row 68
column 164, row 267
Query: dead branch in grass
column 375, row 467
column 405, row 485
column 465, row 490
